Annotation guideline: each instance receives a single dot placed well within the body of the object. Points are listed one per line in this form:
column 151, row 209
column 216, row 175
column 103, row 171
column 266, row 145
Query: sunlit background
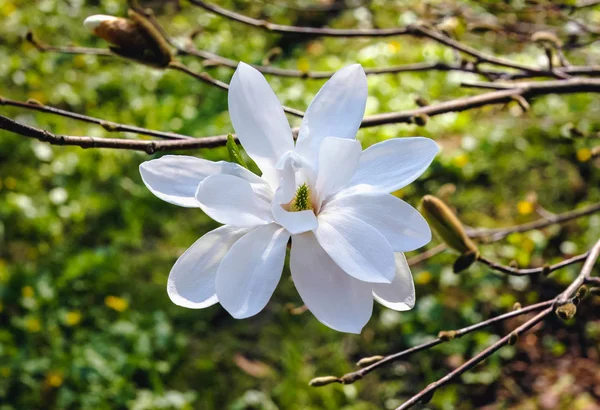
column 85, row 248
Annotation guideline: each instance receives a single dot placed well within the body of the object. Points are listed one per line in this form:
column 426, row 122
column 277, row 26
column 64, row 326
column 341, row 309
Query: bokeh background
column 85, row 249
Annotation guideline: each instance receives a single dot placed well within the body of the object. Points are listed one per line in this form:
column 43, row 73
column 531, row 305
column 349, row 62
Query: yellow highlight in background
column 54, row 378
column 73, row 318
column 27, row 292
column 33, row 325
column 116, row 303
column 584, row 154
column 525, row 207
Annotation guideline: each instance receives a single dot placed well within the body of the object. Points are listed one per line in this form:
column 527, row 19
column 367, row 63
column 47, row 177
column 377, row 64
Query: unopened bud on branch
column 365, row 361
column 134, row 37
column 566, row 311
column 445, row 223
column 323, row 381
column 546, row 38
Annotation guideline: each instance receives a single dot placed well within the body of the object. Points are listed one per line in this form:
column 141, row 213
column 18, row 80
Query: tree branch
column 107, row 125
column 445, row 336
column 475, row 360
column 499, row 233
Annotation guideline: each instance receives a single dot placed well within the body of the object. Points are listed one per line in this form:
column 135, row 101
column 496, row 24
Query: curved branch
column 475, row 360
column 359, row 374
column 546, row 270
column 107, row 125
column 499, row 233
column 148, row 146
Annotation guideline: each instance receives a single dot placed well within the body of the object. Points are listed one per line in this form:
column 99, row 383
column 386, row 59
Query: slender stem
column 205, row 77
column 148, row 146
column 574, row 85
column 586, row 272
column 359, row 374
column 531, row 271
column 481, row 356
column 107, row 125
column 499, row 233
column 423, row 256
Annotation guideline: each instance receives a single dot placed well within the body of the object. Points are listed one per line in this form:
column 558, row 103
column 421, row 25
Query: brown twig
column 444, row 337
column 425, row 395
column 414, row 30
column 423, row 256
column 584, row 275
column 148, row 146
column 173, row 65
column 546, row 270
column 498, row 233
column 525, row 90
column 475, row 360
column 107, row 125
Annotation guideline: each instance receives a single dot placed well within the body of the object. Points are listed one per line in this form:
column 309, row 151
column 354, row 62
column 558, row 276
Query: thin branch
column 475, row 360
column 525, row 90
column 359, row 374
column 148, row 146
column 586, row 272
column 414, row 30
column 174, row 65
column 283, row 29
column 107, row 125
column 423, row 256
column 546, row 270
column 499, row 233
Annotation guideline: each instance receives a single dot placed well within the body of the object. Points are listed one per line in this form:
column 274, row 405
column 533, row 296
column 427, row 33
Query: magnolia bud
column 447, row 334
column 566, row 311
column 323, row 381
column 134, row 37
column 365, row 361
column 545, row 38
column 445, row 223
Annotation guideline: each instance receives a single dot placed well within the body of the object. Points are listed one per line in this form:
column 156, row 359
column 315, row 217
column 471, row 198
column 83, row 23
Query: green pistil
column 301, row 201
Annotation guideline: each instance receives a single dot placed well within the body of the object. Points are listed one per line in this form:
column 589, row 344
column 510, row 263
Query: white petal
column 294, row 222
column 258, row 119
column 357, row 248
column 401, row 224
column 175, row 178
column 390, row 165
column 336, row 111
column 192, row 280
column 231, row 200
column 338, row 159
column 250, row 271
column 335, row 298
column 400, row 294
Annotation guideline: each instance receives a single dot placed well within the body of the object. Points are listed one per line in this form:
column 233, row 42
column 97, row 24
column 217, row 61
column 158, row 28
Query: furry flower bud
column 445, row 223
column 134, row 38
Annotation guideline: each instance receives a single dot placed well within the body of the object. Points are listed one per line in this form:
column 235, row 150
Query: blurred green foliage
column 85, row 249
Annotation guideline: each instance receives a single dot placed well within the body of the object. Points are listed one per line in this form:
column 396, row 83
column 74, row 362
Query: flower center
column 301, row 201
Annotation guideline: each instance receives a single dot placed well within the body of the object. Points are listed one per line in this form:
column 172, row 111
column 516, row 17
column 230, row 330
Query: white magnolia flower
column 333, row 199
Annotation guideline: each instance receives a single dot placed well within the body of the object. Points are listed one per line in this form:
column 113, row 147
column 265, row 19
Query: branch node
column 446, row 335
column 350, row 378
column 33, row 101
column 566, row 311
column 109, row 126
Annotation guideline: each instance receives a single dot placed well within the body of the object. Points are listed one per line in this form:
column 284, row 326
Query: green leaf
column 234, row 152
